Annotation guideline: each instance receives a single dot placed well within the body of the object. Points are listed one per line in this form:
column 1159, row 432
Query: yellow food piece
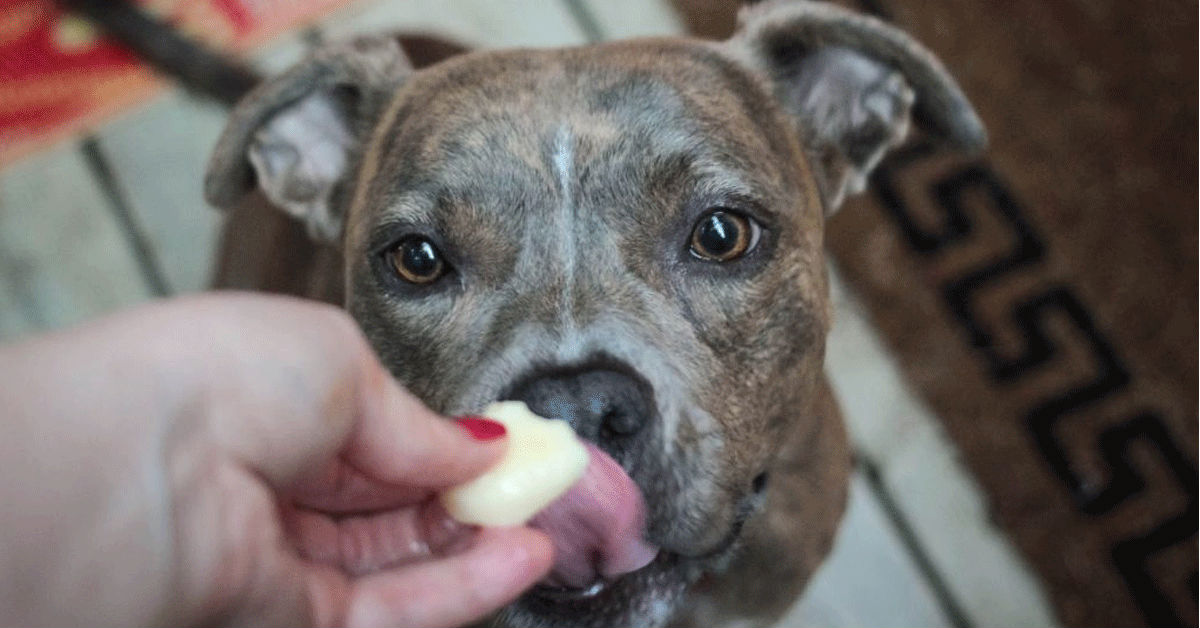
column 543, row 460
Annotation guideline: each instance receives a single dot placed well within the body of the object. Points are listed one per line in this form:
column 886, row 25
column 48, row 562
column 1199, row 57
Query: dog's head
column 627, row 236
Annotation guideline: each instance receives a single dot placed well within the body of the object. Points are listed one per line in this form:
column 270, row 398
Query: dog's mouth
column 605, row 569
column 597, row 528
column 602, row 561
column 569, row 594
column 645, row 597
column 550, row 593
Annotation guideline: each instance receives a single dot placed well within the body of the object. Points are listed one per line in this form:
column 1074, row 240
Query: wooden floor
column 117, row 218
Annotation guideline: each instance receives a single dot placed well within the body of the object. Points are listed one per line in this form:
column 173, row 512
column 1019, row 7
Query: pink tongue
column 596, row 526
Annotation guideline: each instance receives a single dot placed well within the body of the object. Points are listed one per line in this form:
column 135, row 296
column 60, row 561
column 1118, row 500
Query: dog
column 627, row 236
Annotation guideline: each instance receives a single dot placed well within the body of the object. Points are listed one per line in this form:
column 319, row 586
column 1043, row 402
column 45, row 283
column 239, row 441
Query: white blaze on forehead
column 564, row 166
column 564, row 157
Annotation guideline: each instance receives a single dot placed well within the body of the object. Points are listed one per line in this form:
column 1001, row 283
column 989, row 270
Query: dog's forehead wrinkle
column 407, row 208
column 592, row 139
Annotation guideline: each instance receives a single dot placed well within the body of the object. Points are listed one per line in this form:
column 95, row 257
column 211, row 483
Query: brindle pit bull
column 627, row 236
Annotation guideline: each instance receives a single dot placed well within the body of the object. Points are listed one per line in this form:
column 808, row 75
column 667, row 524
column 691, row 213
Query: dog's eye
column 416, row 260
column 724, row 235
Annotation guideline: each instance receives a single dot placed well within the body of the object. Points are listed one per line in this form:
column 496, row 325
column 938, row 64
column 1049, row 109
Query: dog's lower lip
column 570, row 594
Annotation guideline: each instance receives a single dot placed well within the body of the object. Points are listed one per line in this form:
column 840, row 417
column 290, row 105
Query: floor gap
column 143, row 251
column 586, row 20
column 916, row 549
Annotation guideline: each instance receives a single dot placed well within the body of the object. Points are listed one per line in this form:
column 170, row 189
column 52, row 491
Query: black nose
column 601, row 404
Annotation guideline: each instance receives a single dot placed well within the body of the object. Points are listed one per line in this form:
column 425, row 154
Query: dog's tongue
column 596, row 526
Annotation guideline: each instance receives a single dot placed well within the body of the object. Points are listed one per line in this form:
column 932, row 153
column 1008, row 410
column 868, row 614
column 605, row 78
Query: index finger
column 291, row 386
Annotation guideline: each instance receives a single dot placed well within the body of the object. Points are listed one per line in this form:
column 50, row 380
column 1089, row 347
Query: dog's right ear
column 296, row 137
column 851, row 83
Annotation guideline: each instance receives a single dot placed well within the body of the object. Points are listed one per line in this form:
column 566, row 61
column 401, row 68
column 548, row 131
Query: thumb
column 398, row 440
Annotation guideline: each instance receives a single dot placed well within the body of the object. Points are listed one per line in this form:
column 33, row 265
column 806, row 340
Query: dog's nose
column 600, row 404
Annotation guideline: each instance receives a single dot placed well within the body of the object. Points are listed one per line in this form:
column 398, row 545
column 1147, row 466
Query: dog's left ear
column 297, row 136
column 851, row 83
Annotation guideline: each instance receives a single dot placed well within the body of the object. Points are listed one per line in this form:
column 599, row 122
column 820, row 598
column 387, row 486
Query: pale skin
column 240, row 460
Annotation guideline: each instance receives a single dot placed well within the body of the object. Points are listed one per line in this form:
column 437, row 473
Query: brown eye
column 416, row 260
column 722, row 236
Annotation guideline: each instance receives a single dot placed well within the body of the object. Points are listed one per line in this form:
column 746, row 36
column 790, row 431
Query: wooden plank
column 919, row 468
column 948, row 512
column 62, row 256
column 880, row 412
column 280, row 54
column 158, row 155
column 13, row 322
column 483, row 23
column 869, row 579
column 622, row 19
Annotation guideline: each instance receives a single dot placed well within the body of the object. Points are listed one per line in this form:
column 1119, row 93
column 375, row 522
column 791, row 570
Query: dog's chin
column 646, row 597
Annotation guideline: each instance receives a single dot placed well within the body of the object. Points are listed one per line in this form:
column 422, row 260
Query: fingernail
column 481, row 428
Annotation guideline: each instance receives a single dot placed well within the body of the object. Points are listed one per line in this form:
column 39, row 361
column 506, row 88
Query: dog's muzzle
column 597, row 527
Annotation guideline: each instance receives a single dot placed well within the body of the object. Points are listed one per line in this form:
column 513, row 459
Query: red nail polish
column 481, row 428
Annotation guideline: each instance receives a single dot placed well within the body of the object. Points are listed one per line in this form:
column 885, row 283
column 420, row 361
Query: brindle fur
column 562, row 186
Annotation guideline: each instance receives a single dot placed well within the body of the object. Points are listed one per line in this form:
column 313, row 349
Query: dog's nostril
column 599, row 403
column 603, row 405
column 759, row 483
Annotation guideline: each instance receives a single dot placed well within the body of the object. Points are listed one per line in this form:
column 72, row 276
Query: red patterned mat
column 59, row 77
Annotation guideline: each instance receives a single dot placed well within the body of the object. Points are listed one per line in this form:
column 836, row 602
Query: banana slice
column 543, row 460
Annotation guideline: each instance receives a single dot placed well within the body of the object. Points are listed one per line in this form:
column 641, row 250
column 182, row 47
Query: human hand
column 240, row 460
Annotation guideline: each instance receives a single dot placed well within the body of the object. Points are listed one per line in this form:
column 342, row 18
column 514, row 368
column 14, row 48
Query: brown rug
column 1043, row 298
